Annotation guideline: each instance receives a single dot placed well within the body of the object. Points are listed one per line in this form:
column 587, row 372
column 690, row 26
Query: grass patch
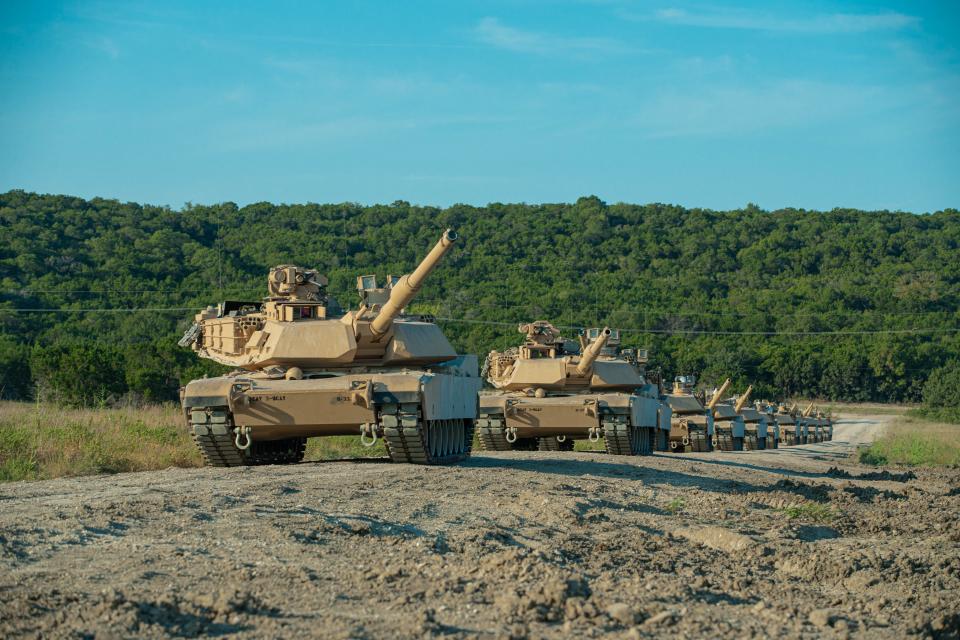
column 676, row 505
column 950, row 415
column 582, row 444
column 866, row 408
column 39, row 441
column 914, row 441
column 811, row 512
column 338, row 447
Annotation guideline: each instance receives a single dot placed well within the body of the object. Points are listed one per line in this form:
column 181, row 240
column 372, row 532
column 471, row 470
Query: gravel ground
column 797, row 542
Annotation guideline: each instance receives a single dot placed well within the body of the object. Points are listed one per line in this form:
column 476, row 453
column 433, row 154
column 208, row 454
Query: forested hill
column 95, row 293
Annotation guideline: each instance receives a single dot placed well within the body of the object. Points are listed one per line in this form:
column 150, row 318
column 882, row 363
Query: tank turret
column 298, row 325
column 547, row 362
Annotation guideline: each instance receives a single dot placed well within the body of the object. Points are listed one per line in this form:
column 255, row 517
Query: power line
column 110, row 310
column 728, row 333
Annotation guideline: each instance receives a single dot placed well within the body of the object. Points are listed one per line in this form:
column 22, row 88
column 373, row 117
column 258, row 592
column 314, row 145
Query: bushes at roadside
column 941, row 394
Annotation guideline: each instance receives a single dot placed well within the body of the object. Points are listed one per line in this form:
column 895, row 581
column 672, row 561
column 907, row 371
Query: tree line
column 840, row 305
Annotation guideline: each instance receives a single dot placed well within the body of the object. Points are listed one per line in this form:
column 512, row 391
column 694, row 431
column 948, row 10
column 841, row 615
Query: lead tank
column 551, row 391
column 304, row 368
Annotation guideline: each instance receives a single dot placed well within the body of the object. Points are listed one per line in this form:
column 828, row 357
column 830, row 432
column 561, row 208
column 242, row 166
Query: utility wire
column 727, row 333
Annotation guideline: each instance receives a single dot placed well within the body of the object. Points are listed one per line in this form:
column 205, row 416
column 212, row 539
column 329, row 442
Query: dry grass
column 40, row 441
column 914, row 441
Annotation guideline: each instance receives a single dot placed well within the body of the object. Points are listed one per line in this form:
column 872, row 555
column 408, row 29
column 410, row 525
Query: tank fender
column 643, row 411
column 665, row 414
column 447, row 397
column 739, row 427
column 208, row 392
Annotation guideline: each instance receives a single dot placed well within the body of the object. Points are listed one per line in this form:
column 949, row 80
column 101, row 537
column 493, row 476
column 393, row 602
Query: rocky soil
column 797, row 542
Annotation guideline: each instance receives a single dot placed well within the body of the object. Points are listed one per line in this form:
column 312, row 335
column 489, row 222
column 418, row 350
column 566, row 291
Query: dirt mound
column 529, row 544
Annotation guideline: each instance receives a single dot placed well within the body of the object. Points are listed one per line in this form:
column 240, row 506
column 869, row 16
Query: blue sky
column 812, row 104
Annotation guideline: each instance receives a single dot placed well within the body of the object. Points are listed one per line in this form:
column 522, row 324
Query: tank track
column 724, row 440
column 492, row 434
column 663, row 440
column 788, row 439
column 699, row 441
column 552, row 444
column 751, row 442
column 212, row 432
column 411, row 439
column 623, row 439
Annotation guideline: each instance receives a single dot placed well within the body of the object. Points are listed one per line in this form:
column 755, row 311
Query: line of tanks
column 305, row 367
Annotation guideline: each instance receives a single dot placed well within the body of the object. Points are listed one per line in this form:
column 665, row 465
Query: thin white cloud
column 106, row 46
column 491, row 31
column 787, row 104
column 758, row 21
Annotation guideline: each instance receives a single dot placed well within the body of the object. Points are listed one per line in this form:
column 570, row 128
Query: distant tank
column 551, row 391
column 769, row 411
column 691, row 425
column 813, row 424
column 305, row 368
column 804, row 432
column 728, row 424
column 790, row 433
column 754, row 423
column 827, row 419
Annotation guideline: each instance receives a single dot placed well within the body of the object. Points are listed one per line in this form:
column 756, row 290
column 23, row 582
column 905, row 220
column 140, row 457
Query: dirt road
column 797, row 542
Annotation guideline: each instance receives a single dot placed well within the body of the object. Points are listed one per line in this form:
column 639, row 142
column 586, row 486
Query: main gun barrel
column 593, row 350
column 742, row 400
column 719, row 394
column 406, row 288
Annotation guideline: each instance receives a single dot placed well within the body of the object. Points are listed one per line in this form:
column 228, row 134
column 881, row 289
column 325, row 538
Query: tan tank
column 769, row 411
column 790, row 433
column 691, row 425
column 551, row 391
column 305, row 368
column 755, row 428
column 827, row 420
column 728, row 425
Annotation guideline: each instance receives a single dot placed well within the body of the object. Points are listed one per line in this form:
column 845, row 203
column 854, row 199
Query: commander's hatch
column 370, row 294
